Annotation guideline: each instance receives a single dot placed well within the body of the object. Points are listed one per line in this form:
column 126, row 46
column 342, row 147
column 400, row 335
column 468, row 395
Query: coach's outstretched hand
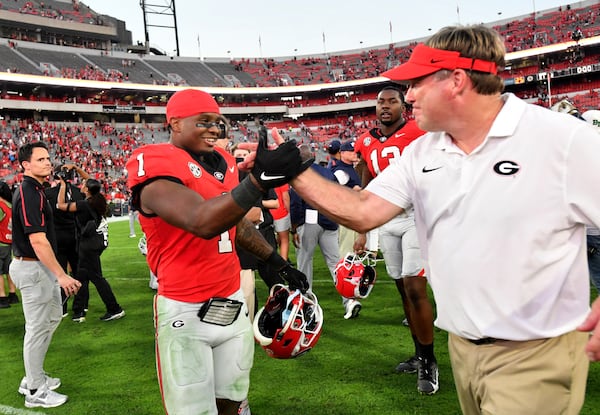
column 272, row 168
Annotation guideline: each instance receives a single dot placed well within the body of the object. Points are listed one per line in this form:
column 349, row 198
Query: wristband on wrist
column 276, row 261
column 246, row 194
column 293, row 231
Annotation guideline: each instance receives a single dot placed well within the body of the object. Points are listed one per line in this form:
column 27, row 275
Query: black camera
column 64, row 174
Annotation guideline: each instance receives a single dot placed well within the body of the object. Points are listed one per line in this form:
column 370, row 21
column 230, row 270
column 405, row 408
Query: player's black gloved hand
column 273, row 168
column 296, row 280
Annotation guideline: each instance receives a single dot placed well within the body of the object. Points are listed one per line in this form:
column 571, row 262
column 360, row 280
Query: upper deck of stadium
column 66, row 39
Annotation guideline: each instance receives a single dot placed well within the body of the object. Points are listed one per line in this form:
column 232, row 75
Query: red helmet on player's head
column 289, row 324
column 354, row 279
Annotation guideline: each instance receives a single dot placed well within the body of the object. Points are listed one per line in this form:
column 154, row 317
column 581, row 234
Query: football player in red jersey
column 398, row 239
column 191, row 207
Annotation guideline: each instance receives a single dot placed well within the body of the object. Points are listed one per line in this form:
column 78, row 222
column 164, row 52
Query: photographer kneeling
column 89, row 267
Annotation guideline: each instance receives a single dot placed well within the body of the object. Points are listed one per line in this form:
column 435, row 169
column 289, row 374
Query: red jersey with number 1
column 188, row 268
column 379, row 151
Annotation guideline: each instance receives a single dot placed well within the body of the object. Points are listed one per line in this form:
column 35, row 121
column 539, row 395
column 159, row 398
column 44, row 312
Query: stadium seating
column 522, row 33
column 103, row 147
column 552, row 27
column 16, row 63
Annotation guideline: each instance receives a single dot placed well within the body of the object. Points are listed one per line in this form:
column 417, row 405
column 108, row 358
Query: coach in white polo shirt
column 502, row 191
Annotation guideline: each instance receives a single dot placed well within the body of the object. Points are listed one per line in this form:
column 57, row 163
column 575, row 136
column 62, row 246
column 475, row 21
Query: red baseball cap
column 188, row 102
column 425, row 60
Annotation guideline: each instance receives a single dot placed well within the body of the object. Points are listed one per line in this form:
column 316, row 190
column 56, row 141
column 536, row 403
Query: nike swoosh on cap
column 426, row 170
column 231, row 169
column 263, row 176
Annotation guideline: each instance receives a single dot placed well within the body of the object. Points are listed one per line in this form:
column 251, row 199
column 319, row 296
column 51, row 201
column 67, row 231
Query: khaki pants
column 546, row 376
column 346, row 238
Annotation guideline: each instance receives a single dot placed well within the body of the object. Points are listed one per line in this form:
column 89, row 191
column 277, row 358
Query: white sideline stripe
column 258, row 280
column 117, row 218
column 9, row 410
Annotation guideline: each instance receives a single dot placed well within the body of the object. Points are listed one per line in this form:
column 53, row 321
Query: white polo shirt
column 502, row 228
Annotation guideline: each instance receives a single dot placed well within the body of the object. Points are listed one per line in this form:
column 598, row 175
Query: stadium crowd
column 533, row 30
column 104, row 149
column 98, row 148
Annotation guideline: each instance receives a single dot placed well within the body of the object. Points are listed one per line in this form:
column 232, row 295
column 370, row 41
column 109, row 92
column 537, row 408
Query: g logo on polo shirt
column 506, row 167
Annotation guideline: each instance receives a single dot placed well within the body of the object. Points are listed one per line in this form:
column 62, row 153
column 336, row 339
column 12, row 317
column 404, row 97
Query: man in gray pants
column 310, row 228
column 38, row 275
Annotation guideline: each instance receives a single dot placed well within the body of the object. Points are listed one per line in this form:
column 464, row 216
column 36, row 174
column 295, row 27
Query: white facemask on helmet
column 354, row 278
column 289, row 325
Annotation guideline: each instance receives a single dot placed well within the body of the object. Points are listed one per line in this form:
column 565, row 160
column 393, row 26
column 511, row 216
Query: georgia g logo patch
column 195, row 169
column 506, row 167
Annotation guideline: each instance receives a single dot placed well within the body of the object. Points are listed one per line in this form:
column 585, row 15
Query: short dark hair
column 26, row 150
column 393, row 88
column 5, row 192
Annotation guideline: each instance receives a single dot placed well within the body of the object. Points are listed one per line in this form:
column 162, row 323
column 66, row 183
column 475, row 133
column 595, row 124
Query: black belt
column 24, row 258
column 484, row 340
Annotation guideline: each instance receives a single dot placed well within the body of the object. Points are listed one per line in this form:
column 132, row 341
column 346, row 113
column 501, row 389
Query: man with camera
column 64, row 222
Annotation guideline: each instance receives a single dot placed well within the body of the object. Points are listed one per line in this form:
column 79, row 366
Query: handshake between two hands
column 273, row 167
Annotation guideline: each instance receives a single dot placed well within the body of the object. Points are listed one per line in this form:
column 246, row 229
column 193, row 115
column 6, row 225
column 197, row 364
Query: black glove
column 273, row 168
column 295, row 279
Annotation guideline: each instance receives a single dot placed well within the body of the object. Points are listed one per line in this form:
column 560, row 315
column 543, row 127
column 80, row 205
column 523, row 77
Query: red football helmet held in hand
column 289, row 325
column 354, row 279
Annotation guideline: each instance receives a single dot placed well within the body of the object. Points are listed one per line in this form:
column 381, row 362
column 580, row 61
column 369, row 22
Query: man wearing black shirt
column 38, row 275
column 66, row 229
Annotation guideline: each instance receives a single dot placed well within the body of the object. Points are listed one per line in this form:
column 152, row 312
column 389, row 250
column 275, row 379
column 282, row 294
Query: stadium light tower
column 534, row 23
column 161, row 10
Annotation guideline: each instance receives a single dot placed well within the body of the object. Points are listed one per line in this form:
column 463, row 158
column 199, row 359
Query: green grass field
column 108, row 368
